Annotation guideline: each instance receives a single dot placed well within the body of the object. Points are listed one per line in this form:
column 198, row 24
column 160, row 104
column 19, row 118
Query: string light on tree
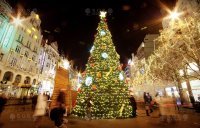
column 102, row 33
column 104, row 85
column 92, row 49
column 104, row 55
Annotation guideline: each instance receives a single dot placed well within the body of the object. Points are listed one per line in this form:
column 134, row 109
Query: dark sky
column 73, row 23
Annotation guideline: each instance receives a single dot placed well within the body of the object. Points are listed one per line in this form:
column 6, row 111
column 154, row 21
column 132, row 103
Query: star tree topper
column 102, row 14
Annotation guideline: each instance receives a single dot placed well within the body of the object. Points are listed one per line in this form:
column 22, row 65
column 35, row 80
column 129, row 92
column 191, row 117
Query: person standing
column 3, row 101
column 134, row 106
column 150, row 102
column 89, row 105
column 40, row 109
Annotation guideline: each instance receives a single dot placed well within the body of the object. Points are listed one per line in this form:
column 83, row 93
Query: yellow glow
column 33, row 29
column 66, row 64
column 174, row 15
column 37, row 16
column 79, row 74
column 102, row 14
column 17, row 21
column 35, row 37
column 28, row 30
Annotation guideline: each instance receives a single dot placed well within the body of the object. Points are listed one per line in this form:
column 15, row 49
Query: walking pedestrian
column 57, row 113
column 40, row 109
column 34, row 101
column 147, row 103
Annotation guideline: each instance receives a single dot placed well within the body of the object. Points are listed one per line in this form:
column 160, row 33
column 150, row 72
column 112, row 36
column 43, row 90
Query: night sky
column 73, row 23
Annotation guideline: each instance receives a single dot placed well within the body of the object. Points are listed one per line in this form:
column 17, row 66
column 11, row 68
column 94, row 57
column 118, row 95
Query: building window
column 13, row 62
column 22, row 39
column 26, row 54
column 47, row 65
column 33, row 58
column 1, row 56
column 35, row 49
column 19, row 38
column 18, row 48
column 29, row 44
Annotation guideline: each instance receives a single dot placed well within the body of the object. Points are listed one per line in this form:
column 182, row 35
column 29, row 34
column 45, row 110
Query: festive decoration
column 94, row 87
column 102, row 33
column 88, row 81
column 121, row 77
column 104, row 55
column 102, row 85
column 98, row 74
column 103, row 14
column 92, row 49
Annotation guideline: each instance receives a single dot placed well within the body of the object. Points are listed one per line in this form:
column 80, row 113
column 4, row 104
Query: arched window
column 27, row 80
column 8, row 76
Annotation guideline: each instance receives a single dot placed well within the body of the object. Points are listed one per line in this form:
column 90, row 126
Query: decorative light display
column 121, row 77
column 102, row 33
column 103, row 86
column 88, row 81
column 104, row 55
column 92, row 49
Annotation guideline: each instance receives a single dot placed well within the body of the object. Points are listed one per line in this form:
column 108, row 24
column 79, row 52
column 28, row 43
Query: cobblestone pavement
column 21, row 117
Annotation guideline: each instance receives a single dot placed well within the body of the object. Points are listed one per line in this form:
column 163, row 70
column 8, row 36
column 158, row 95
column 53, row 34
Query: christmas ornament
column 103, row 47
column 120, row 67
column 92, row 65
column 121, row 77
column 94, row 87
column 104, row 55
column 99, row 74
column 102, row 33
column 88, row 81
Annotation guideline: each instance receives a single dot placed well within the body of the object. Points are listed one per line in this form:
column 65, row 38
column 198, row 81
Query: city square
column 103, row 64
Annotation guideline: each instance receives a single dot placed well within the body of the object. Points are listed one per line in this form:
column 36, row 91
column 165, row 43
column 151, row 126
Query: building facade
column 19, row 48
column 48, row 60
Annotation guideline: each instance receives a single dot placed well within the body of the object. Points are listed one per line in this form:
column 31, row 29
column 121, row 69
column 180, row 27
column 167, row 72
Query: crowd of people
column 168, row 107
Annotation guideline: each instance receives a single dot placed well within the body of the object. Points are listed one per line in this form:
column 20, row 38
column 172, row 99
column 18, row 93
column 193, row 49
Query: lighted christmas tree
column 104, row 80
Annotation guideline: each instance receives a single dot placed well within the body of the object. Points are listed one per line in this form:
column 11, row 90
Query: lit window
column 29, row 31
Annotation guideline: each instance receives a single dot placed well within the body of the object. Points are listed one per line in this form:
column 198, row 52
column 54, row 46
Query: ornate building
column 48, row 59
column 20, row 41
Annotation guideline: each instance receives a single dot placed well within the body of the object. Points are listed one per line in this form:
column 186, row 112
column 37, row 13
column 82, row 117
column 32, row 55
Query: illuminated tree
column 177, row 58
column 104, row 80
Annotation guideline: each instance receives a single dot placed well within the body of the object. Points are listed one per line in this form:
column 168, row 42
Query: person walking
column 34, row 101
column 150, row 102
column 147, row 104
column 134, row 106
column 57, row 113
column 40, row 109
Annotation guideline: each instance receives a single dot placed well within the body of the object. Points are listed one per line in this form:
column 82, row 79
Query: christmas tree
column 104, row 80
